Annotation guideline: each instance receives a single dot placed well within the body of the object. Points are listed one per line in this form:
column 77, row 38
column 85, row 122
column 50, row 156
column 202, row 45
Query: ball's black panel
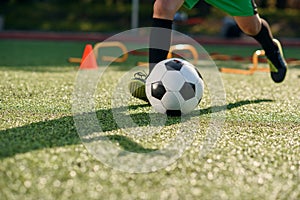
column 174, row 65
column 158, row 90
column 173, row 113
column 188, row 91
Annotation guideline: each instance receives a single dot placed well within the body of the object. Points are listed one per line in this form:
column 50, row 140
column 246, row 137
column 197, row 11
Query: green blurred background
column 110, row 16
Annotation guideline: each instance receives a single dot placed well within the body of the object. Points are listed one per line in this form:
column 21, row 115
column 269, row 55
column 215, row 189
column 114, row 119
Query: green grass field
column 256, row 156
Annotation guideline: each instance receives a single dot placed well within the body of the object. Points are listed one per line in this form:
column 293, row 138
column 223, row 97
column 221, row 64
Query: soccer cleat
column 277, row 63
column 137, row 86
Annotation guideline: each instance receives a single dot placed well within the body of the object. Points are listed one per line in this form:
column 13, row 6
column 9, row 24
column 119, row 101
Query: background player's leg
column 259, row 29
column 160, row 36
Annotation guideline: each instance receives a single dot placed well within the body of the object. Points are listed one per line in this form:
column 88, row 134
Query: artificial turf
column 256, row 155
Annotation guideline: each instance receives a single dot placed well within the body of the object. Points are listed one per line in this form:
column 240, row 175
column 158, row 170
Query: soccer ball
column 174, row 87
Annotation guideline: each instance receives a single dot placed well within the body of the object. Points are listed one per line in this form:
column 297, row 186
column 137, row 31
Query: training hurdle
column 252, row 68
column 112, row 44
column 255, row 57
column 178, row 47
column 105, row 58
column 74, row 60
column 184, row 47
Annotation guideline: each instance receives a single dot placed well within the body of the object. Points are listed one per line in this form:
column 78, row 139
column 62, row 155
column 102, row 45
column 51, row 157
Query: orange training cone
column 88, row 60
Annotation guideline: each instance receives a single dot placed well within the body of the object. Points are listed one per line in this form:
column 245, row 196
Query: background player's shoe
column 137, row 86
column 277, row 63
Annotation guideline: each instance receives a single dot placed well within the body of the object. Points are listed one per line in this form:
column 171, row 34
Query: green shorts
column 232, row 7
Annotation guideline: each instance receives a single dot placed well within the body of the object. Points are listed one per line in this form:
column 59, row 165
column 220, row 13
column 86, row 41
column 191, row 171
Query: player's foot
column 277, row 63
column 137, row 86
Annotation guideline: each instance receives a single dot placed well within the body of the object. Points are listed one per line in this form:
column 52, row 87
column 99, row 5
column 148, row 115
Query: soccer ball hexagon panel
column 174, row 87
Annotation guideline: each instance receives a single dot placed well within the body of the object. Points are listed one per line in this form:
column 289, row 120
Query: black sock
column 160, row 41
column 265, row 38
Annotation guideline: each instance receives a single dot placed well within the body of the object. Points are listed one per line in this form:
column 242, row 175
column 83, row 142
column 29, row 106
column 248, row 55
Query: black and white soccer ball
column 174, row 87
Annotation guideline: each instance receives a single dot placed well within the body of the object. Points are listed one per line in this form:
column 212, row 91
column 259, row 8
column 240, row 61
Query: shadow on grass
column 124, row 142
column 62, row 131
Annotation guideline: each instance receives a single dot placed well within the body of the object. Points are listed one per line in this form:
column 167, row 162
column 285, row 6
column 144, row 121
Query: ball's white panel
column 153, row 100
column 199, row 89
column 157, row 105
column 171, row 101
column 148, row 90
column 189, row 73
column 180, row 98
column 157, row 73
column 189, row 105
column 173, row 80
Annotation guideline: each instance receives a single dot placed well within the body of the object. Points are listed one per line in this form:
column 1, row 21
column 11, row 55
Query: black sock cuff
column 265, row 38
column 162, row 23
column 262, row 33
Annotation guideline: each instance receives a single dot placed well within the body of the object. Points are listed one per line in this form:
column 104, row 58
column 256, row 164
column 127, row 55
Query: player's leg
column 160, row 36
column 250, row 25
column 259, row 29
column 166, row 9
column 245, row 14
column 159, row 42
